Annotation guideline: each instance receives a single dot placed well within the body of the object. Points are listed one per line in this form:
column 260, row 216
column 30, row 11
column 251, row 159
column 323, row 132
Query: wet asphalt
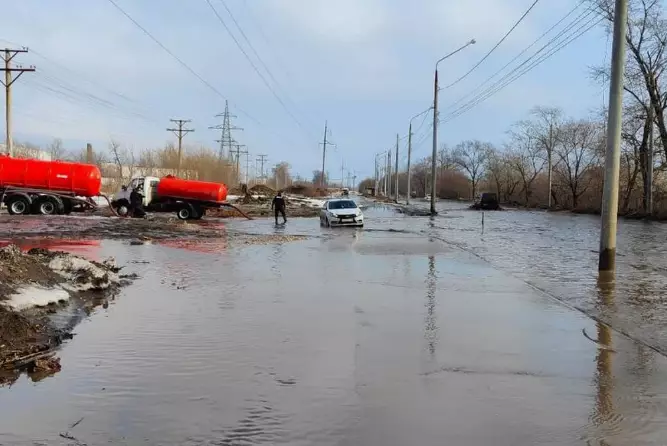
column 412, row 331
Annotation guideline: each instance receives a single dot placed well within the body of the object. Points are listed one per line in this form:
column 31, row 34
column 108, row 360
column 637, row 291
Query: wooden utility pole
column 7, row 55
column 396, row 170
column 237, row 153
column 180, row 132
column 607, row 260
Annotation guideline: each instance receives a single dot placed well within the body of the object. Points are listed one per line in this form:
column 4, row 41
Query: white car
column 341, row 212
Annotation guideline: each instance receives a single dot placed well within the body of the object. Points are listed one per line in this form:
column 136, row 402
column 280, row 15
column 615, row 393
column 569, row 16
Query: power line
column 179, row 60
column 506, row 80
column 495, row 46
column 252, row 64
column 472, row 92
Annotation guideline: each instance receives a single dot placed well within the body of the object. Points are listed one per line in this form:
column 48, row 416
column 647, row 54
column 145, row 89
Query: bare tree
column 545, row 128
column 526, row 155
column 56, row 149
column 123, row 159
column 578, row 152
column 317, row 178
column 646, row 39
column 471, row 156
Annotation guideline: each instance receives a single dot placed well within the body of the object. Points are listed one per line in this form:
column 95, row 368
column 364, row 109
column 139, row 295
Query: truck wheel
column 18, row 205
column 122, row 208
column 46, row 205
column 199, row 213
column 67, row 207
column 184, row 213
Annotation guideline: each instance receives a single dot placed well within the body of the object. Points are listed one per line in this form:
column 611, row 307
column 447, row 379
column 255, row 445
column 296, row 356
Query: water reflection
column 603, row 416
column 431, row 327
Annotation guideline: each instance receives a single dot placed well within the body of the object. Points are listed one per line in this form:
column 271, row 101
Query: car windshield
column 342, row 204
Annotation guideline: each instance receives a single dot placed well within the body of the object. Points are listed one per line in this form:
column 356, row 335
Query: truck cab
column 146, row 186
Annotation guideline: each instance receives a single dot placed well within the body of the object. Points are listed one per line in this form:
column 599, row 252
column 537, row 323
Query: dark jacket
column 278, row 202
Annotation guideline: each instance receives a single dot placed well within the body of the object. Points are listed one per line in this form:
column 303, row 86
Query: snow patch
column 32, row 296
column 85, row 274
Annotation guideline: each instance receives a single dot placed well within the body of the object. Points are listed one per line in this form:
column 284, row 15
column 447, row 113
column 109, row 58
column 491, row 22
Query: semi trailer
column 29, row 186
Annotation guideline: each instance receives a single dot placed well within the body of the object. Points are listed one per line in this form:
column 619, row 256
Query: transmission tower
column 262, row 159
column 226, row 140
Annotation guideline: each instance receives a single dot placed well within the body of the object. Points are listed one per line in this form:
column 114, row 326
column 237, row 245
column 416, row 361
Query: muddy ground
column 157, row 227
column 28, row 337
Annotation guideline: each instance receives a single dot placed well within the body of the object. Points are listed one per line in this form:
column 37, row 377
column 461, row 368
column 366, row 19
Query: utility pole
column 226, row 140
column 247, row 166
column 389, row 173
column 435, row 141
column 7, row 55
column 377, row 175
column 342, row 174
column 262, row 160
column 180, row 132
column 407, row 197
column 607, row 261
column 435, row 123
column 237, row 154
column 324, row 152
column 549, row 158
column 396, row 169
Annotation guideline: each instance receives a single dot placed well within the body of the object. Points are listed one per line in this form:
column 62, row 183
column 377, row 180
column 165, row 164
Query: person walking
column 278, row 206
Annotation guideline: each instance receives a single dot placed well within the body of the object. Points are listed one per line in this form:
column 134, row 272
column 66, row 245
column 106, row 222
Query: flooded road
column 381, row 336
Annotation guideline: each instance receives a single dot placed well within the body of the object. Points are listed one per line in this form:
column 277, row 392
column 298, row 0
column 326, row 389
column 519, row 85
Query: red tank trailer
column 55, row 176
column 29, row 186
column 171, row 186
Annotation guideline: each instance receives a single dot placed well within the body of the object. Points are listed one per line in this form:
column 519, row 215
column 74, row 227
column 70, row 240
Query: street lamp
column 435, row 123
column 407, row 198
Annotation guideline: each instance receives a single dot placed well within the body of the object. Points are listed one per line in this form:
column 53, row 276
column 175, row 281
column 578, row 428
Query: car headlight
column 334, row 215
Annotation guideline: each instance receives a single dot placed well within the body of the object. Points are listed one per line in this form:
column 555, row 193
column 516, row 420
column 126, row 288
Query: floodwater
column 412, row 331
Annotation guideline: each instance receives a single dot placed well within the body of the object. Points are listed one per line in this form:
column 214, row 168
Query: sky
column 363, row 66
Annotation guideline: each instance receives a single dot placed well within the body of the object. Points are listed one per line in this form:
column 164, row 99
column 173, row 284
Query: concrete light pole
column 435, row 123
column 607, row 261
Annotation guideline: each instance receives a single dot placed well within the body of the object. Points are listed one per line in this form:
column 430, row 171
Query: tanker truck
column 29, row 186
column 189, row 199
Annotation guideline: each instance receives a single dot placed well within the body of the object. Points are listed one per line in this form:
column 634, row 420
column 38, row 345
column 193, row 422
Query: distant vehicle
column 189, row 199
column 341, row 212
column 489, row 201
column 345, row 192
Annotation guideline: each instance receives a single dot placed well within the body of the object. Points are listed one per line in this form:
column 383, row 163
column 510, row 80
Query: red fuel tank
column 171, row 186
column 56, row 176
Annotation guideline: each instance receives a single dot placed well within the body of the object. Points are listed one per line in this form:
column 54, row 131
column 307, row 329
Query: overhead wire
column 252, row 64
column 507, row 34
column 179, row 60
column 573, row 23
column 513, row 75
